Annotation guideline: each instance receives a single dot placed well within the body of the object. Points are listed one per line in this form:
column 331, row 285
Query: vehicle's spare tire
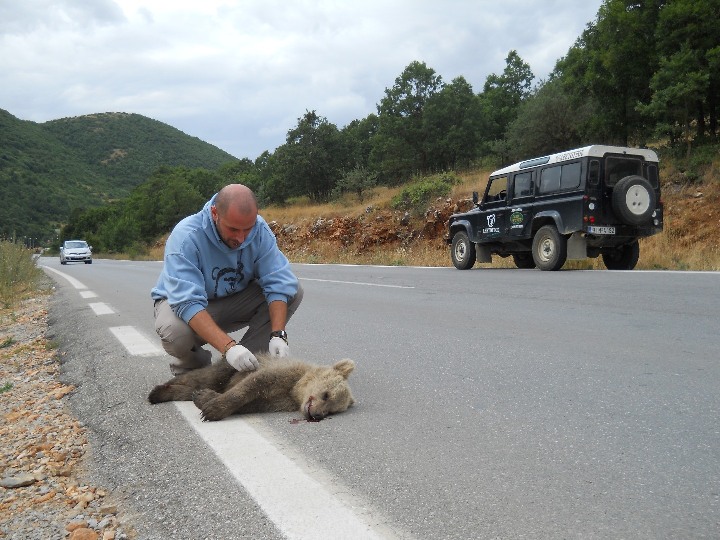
column 633, row 200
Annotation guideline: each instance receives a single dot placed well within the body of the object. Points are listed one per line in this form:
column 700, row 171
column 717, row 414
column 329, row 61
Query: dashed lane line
column 135, row 343
column 101, row 308
column 129, row 337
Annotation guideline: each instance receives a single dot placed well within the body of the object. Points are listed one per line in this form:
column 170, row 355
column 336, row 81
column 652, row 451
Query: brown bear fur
column 278, row 384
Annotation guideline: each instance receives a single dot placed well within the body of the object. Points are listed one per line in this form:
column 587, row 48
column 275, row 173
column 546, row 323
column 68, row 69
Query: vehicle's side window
column 560, row 177
column 594, row 172
column 496, row 191
column 550, row 179
column 522, row 185
column 570, row 177
column 652, row 175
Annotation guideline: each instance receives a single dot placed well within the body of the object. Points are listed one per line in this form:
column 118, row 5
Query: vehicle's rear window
column 618, row 168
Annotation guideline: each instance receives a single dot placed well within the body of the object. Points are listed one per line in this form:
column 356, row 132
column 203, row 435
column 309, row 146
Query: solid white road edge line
column 135, row 343
column 359, row 283
column 74, row 282
column 299, row 505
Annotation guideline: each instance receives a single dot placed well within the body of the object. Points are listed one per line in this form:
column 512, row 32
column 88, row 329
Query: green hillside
column 48, row 170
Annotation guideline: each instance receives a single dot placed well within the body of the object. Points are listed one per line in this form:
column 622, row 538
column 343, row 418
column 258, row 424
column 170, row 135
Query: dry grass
column 18, row 274
column 419, row 254
column 667, row 251
column 690, row 240
column 304, row 209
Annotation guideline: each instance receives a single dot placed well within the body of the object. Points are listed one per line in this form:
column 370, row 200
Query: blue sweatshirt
column 199, row 266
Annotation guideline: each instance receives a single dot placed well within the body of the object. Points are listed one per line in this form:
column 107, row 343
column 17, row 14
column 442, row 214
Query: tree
column 308, row 163
column 269, row 188
column 547, row 122
column 87, row 224
column 243, row 172
column 400, row 145
column 678, row 91
column 453, row 125
column 357, row 137
column 358, row 180
column 686, row 85
column 610, row 67
column 502, row 94
column 156, row 205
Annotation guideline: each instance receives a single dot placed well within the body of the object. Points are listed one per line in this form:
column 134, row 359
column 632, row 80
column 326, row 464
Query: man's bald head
column 239, row 197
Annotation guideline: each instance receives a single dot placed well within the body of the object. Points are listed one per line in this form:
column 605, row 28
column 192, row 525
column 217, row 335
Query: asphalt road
column 491, row 403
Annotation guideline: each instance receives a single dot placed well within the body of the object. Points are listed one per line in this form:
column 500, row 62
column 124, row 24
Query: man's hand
column 278, row 347
column 241, row 359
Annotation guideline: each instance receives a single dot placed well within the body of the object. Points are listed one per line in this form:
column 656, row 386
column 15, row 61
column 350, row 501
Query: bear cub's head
column 325, row 390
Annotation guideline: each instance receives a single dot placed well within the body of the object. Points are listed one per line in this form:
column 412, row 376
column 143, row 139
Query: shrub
column 18, row 273
column 358, row 181
column 417, row 195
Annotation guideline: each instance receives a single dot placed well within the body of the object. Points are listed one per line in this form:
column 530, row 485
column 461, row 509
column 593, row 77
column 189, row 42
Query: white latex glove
column 241, row 359
column 278, row 347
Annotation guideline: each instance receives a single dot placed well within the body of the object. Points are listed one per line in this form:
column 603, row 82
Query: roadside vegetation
column 19, row 275
column 690, row 240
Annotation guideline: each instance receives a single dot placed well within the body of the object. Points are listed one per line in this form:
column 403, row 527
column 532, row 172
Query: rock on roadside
column 42, row 493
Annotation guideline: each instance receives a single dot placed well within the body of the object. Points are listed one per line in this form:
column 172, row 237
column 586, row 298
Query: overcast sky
column 239, row 73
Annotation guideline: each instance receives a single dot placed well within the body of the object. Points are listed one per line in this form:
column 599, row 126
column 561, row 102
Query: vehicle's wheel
column 523, row 260
column 633, row 200
column 63, row 262
column 88, row 262
column 462, row 251
column 549, row 248
column 623, row 257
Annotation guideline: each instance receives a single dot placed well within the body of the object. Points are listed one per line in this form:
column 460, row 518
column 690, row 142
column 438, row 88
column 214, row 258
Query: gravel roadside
column 43, row 446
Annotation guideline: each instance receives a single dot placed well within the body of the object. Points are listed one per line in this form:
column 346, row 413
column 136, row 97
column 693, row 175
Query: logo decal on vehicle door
column 516, row 220
column 491, row 229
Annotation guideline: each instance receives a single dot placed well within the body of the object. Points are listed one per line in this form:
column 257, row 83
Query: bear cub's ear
column 345, row 367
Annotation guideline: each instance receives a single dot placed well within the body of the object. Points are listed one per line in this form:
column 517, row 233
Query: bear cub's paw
column 211, row 405
column 202, row 396
column 160, row 394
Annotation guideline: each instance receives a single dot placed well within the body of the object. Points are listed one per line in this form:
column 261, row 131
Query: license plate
column 601, row 230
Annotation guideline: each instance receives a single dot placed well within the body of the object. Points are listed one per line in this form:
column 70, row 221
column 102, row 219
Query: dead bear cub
column 277, row 385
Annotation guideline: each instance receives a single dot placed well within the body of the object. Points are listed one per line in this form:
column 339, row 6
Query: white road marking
column 135, row 343
column 277, row 483
column 300, row 506
column 359, row 283
column 74, row 282
column 101, row 308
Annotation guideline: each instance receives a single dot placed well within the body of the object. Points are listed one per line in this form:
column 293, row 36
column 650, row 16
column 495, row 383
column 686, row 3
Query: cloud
column 239, row 74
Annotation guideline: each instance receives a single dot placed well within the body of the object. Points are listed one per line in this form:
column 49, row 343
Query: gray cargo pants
column 245, row 309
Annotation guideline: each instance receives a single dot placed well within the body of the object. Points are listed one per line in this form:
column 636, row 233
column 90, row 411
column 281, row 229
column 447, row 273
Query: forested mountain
column 48, row 170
